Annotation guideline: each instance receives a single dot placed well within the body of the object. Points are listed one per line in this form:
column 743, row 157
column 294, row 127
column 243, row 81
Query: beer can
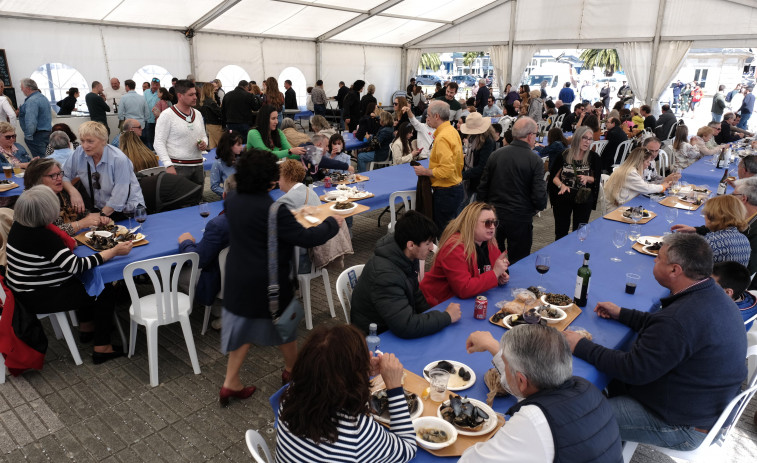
column 327, row 182
column 479, row 309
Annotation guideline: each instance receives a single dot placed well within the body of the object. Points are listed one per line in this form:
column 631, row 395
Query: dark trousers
column 446, row 202
column 71, row 295
column 563, row 206
column 149, row 134
column 319, row 109
column 196, row 174
column 517, row 235
column 241, row 128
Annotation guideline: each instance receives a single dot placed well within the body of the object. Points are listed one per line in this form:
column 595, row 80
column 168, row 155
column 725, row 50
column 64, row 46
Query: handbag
column 287, row 320
column 584, row 193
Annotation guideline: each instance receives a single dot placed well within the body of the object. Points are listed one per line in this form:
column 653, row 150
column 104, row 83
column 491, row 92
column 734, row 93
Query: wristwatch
column 103, row 214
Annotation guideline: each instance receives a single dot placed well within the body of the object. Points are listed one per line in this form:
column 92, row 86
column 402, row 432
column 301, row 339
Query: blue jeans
column 744, row 120
column 38, row 144
column 637, row 424
column 149, row 134
column 363, row 159
column 717, row 117
column 241, row 128
column 446, row 201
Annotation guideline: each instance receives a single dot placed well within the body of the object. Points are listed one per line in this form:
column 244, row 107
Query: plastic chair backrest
column 222, row 265
column 662, row 163
column 275, row 401
column 622, row 151
column 408, row 199
column 598, row 146
column 165, row 281
column 256, row 443
column 152, row 171
column 345, row 283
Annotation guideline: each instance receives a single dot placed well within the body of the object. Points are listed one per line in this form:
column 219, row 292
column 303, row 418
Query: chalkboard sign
column 5, row 73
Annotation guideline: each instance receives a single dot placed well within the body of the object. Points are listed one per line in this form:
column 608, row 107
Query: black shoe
column 102, row 357
column 85, row 337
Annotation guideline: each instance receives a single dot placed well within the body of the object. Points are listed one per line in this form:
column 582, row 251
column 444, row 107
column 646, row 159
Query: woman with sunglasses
column 12, row 153
column 468, row 262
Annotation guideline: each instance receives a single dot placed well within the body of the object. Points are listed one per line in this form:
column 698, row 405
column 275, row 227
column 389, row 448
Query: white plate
column 437, row 423
column 413, row 416
column 506, row 321
column 104, row 233
column 647, row 240
column 336, row 195
column 455, row 383
column 343, row 211
column 138, row 237
column 562, row 314
column 491, row 423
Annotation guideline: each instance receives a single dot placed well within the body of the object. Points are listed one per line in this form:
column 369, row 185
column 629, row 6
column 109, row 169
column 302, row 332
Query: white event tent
column 380, row 41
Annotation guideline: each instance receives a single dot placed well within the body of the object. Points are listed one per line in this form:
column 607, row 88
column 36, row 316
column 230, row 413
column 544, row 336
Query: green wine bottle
column 582, row 283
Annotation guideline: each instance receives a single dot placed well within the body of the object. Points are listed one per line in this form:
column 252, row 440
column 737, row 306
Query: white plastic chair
column 559, row 120
column 304, row 281
column 601, row 196
column 662, row 164
column 408, row 199
column 152, row 171
column 598, row 146
column 621, row 152
column 718, row 433
column 257, row 446
column 387, row 162
column 222, row 264
column 63, row 330
column 344, row 287
column 167, row 305
column 543, row 126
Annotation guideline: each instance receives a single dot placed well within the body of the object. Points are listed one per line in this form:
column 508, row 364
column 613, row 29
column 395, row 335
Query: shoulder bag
column 287, row 320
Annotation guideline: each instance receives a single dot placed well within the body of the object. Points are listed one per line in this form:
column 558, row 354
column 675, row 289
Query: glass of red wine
column 204, row 209
column 542, row 266
column 140, row 215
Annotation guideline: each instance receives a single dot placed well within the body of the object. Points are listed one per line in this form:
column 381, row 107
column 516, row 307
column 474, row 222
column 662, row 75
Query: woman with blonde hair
column 469, row 261
column 368, row 98
column 138, row 153
column 626, row 182
column 211, row 114
column 319, row 124
column 536, row 106
column 704, row 134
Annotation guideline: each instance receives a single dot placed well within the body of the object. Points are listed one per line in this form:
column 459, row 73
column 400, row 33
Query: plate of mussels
column 379, row 404
column 461, row 375
column 470, row 417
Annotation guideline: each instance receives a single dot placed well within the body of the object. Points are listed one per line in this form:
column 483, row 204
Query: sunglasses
column 488, row 223
column 155, row 79
column 10, row 137
column 57, row 175
column 96, row 181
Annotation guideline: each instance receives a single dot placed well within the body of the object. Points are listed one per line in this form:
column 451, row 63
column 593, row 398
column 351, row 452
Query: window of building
column 299, row 84
column 230, row 76
column 55, row 79
column 700, row 76
column 147, row 73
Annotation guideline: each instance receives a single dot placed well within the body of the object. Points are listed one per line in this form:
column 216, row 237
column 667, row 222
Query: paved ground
column 110, row 413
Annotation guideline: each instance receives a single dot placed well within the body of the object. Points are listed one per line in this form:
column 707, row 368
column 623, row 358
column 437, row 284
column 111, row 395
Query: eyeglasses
column 155, row 79
column 395, row 103
column 55, row 176
column 96, row 181
column 488, row 223
column 10, row 137
column 737, row 194
column 587, row 138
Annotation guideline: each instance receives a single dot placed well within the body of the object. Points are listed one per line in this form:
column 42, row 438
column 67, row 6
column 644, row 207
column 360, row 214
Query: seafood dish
column 6, row 182
column 469, row 416
column 103, row 239
column 434, row 433
column 559, row 300
column 644, row 212
column 379, row 405
column 461, row 376
column 343, row 207
column 435, row 436
column 514, row 319
column 537, row 292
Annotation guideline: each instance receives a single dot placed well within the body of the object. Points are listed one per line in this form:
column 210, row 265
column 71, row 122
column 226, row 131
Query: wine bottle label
column 721, row 189
column 579, row 286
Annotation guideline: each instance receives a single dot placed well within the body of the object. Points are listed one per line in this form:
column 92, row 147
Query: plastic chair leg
column 56, row 326
column 132, row 337
column 305, row 289
column 186, row 327
column 152, row 353
column 327, row 287
column 62, row 321
column 628, row 450
column 74, row 319
column 2, row 369
column 120, row 331
column 206, row 319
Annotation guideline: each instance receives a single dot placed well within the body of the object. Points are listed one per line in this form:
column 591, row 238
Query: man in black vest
column 558, row 416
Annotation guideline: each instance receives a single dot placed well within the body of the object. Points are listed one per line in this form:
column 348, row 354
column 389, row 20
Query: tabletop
column 15, row 191
column 351, row 143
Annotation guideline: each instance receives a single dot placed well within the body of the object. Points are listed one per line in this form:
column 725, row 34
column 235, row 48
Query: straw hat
column 475, row 123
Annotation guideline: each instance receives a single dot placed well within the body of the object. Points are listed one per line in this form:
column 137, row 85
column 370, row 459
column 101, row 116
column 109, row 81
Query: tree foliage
column 606, row 59
column 430, row 61
column 470, row 56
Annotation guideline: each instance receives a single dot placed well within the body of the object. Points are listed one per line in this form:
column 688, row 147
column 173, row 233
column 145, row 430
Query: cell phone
column 415, row 163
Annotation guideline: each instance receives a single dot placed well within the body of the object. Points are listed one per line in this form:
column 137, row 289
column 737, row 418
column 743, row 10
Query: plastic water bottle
column 372, row 339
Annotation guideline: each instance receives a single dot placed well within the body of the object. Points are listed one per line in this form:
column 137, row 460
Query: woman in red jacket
column 468, row 262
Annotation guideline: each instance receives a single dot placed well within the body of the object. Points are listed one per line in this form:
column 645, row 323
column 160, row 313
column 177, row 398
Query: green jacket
column 254, row 140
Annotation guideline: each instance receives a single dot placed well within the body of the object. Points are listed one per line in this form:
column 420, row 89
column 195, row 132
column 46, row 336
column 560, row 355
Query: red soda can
column 479, row 309
column 327, row 182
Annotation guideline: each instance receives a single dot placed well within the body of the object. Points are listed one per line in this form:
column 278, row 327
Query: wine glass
column 542, row 266
column 671, row 214
column 128, row 211
column 633, row 234
column 204, row 209
column 675, row 188
column 619, row 240
column 140, row 215
column 636, row 213
column 583, row 233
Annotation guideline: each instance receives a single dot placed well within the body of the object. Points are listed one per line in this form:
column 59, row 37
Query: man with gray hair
column 445, row 166
column 482, row 96
column 681, row 371
column 558, row 417
column 35, row 118
column 61, row 145
column 513, row 181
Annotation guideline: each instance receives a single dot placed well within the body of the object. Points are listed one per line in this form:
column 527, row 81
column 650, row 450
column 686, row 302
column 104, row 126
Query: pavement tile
column 6, row 441
column 160, row 408
column 62, row 409
column 18, row 431
column 184, row 448
column 93, row 444
column 50, row 449
column 42, row 382
column 127, row 424
column 30, row 419
column 48, row 417
column 196, row 439
column 71, row 446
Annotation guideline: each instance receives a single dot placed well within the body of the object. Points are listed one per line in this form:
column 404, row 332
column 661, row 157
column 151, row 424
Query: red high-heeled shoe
column 226, row 394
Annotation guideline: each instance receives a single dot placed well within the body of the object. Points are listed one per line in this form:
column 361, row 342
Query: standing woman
column 352, row 106
column 246, row 315
column 211, row 114
column 68, row 103
column 536, row 106
column 577, row 169
column 230, row 146
column 481, row 143
column 368, row 98
column 165, row 101
column 266, row 136
column 419, row 101
column 273, row 96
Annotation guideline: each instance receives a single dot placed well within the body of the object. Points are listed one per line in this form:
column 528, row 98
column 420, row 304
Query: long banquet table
column 607, row 284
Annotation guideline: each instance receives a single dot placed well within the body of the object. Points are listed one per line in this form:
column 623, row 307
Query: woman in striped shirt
column 324, row 414
column 42, row 270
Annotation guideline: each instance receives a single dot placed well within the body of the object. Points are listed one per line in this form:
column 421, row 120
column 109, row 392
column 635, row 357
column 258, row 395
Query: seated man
column 491, row 108
column 558, row 416
column 734, row 278
column 129, row 125
column 387, row 292
column 680, row 373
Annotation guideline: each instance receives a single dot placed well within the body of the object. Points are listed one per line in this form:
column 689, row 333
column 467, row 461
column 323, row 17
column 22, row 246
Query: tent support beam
column 655, row 50
column 192, row 62
column 511, row 41
column 461, row 20
column 90, row 22
column 357, row 20
column 359, row 11
column 318, row 60
column 211, row 15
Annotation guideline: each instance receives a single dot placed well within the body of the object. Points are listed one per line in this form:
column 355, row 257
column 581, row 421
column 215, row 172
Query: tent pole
column 403, row 67
column 655, row 52
column 192, row 63
column 511, row 42
column 318, row 59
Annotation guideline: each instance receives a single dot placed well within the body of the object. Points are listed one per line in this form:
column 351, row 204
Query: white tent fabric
column 636, row 58
column 522, row 54
column 670, row 57
column 412, row 61
column 498, row 54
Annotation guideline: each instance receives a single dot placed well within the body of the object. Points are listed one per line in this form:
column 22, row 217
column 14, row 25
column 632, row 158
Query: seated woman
column 106, row 176
column 402, row 147
column 468, row 262
column 384, row 138
column 294, row 136
column 400, row 115
column 12, row 153
column 684, row 153
column 327, row 427
column 267, row 137
column 42, row 270
column 626, row 181
column 319, row 124
column 337, row 153
column 370, row 123
column 61, row 146
column 71, row 137
column 638, row 121
column 704, row 135
column 556, row 144
column 229, row 147
column 591, row 121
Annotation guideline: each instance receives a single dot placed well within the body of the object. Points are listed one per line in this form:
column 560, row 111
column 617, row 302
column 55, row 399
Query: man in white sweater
column 180, row 135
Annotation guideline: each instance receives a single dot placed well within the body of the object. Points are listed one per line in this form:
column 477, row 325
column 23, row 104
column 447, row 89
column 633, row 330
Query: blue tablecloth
column 351, row 143
column 703, row 172
column 15, row 191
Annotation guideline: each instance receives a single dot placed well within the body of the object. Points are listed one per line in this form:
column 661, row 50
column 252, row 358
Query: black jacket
column 482, row 98
column 368, row 125
column 513, row 181
column 725, row 135
column 66, row 105
column 351, row 105
column 343, row 91
column 568, row 121
column 615, row 136
column 211, row 112
column 388, row 295
column 480, row 157
column 664, row 123
column 365, row 101
column 290, row 99
column 238, row 106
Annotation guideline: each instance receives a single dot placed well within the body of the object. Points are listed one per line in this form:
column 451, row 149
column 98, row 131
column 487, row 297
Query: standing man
column 180, row 135
column 340, row 96
column 718, row 104
column 482, row 96
column 237, row 109
column 151, row 98
column 677, row 359
column 172, row 90
column 445, row 165
column 626, row 95
column 513, row 181
column 604, row 95
column 35, row 118
column 133, row 106
column 567, row 95
column 455, row 109
column 290, row 97
column 97, row 106
column 731, row 94
column 410, row 87
column 747, row 106
column 318, row 96
column 116, row 92
column 677, row 87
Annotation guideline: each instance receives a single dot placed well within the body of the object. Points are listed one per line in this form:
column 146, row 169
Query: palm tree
column 470, row 56
column 606, row 58
column 430, row 61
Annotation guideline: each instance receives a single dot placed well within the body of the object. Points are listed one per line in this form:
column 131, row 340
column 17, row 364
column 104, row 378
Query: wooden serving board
column 83, row 240
column 358, row 178
column 8, row 186
column 323, row 198
column 617, row 215
column 640, row 248
column 572, row 313
column 323, row 211
column 418, row 384
column 671, row 201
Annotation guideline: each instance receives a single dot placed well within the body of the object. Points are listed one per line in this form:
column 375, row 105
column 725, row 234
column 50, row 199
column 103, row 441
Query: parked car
column 465, row 81
column 427, row 79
